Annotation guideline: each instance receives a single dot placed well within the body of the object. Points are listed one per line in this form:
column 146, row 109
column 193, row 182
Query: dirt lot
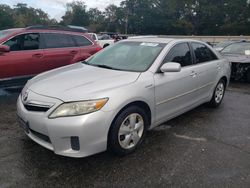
column 202, row 148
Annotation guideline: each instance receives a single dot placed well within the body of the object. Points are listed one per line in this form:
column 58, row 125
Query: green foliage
column 76, row 14
column 6, row 17
column 22, row 16
column 167, row 17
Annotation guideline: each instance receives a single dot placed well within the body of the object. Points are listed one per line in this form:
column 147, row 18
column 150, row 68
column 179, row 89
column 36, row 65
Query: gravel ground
column 203, row 148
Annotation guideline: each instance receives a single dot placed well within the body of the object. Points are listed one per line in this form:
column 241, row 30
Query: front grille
column 36, row 108
column 41, row 136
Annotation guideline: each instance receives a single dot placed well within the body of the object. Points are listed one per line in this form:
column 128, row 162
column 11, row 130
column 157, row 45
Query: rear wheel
column 105, row 45
column 218, row 94
column 128, row 131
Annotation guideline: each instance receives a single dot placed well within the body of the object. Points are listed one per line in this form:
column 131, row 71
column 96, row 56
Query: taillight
column 98, row 48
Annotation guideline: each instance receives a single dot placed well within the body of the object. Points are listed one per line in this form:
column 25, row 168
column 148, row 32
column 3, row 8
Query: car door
column 175, row 92
column 59, row 50
column 25, row 58
column 206, row 66
column 87, row 47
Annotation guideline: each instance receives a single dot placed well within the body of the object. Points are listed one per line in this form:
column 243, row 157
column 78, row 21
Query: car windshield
column 237, row 48
column 104, row 37
column 127, row 56
column 5, row 33
column 223, row 44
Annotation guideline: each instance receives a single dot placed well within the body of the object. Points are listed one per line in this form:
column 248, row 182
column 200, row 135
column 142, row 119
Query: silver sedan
column 110, row 100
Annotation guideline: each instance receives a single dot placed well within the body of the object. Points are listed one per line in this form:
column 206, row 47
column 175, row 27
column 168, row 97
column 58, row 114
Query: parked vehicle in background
column 26, row 52
column 102, row 40
column 79, row 28
column 239, row 55
column 220, row 46
column 110, row 100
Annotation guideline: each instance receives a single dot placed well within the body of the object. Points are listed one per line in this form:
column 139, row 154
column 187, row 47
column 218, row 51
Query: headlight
column 78, row 108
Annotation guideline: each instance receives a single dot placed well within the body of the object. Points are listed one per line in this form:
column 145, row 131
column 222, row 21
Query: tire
column 124, row 135
column 248, row 76
column 105, row 45
column 218, row 95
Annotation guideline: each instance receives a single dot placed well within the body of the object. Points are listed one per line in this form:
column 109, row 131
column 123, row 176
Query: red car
column 26, row 52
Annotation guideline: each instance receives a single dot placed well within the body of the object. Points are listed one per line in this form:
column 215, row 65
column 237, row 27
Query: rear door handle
column 218, row 66
column 38, row 55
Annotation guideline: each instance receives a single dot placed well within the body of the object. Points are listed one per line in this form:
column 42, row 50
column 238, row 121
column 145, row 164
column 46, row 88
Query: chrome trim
column 39, row 104
column 42, row 32
column 183, row 94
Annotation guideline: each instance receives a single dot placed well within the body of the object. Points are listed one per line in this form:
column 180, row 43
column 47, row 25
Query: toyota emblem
column 25, row 96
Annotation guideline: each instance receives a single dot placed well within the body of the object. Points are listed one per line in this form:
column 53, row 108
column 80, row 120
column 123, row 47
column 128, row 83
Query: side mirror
column 171, row 67
column 4, row 48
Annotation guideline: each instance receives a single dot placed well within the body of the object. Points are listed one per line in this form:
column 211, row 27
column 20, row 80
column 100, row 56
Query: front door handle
column 193, row 74
column 73, row 52
column 38, row 55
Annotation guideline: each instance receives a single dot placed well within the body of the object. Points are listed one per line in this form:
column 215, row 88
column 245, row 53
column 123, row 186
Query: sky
column 57, row 8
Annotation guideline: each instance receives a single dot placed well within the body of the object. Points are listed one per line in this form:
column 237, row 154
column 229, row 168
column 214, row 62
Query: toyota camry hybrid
column 110, row 100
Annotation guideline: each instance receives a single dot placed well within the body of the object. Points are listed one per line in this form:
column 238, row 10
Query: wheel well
column 225, row 79
column 141, row 104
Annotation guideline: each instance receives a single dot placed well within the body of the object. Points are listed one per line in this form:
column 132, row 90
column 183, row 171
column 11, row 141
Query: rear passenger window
column 180, row 53
column 203, row 53
column 81, row 40
column 57, row 40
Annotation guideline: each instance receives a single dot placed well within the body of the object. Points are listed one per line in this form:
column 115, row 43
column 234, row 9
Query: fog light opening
column 75, row 145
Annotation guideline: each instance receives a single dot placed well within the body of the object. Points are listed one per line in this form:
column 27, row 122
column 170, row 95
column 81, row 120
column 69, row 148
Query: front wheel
column 128, row 131
column 218, row 94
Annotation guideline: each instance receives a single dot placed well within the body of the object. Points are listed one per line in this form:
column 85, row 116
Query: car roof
column 160, row 40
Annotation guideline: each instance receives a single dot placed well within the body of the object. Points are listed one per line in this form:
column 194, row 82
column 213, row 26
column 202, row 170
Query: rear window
column 81, row 40
column 57, row 40
column 203, row 53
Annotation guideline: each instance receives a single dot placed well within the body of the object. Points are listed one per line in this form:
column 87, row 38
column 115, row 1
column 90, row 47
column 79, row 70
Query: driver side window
column 28, row 41
column 180, row 53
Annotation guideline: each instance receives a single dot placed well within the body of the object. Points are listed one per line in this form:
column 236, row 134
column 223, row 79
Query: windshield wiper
column 106, row 67
column 101, row 66
column 85, row 62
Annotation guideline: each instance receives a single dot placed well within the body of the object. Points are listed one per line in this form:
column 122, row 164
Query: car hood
column 79, row 82
column 237, row 58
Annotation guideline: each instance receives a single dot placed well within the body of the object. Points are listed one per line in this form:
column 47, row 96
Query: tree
column 76, row 14
column 96, row 19
column 6, row 17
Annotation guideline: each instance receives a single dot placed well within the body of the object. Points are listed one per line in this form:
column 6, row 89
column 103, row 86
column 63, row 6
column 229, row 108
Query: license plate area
column 24, row 124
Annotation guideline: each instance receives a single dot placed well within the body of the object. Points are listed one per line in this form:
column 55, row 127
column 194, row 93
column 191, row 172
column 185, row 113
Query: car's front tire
column 218, row 94
column 128, row 131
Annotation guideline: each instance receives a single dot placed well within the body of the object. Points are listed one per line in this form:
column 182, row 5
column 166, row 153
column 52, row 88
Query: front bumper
column 61, row 135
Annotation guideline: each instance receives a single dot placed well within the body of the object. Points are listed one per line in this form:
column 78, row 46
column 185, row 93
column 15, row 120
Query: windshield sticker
column 149, row 44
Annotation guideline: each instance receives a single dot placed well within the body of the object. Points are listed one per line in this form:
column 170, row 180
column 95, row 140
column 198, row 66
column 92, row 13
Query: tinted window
column 203, row 53
column 24, row 42
column 81, row 41
column 57, row 40
column 180, row 53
